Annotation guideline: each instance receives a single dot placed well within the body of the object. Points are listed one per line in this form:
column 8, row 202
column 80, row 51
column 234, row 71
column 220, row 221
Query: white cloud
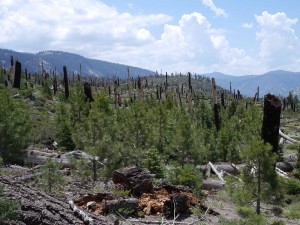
column 218, row 11
column 96, row 30
column 190, row 45
column 279, row 45
column 33, row 25
column 247, row 25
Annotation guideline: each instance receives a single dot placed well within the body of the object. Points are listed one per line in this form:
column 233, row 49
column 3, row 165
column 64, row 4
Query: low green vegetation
column 50, row 178
column 168, row 129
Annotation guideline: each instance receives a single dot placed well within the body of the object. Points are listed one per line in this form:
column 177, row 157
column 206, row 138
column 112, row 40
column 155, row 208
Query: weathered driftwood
column 133, row 178
column 39, row 208
column 286, row 137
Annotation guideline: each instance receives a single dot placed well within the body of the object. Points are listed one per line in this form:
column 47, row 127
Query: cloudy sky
column 230, row 36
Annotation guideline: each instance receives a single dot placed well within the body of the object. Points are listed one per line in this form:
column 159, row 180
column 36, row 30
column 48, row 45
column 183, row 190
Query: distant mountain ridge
column 57, row 59
column 277, row 82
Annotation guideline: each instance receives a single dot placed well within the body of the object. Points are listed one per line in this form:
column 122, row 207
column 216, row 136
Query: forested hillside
column 53, row 61
column 180, row 128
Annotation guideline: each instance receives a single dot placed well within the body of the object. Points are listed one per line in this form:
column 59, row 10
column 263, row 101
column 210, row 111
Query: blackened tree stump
column 133, row 178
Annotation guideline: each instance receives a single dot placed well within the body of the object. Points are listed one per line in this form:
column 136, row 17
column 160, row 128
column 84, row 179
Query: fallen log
column 135, row 179
column 39, row 208
column 286, row 166
column 216, row 171
column 228, row 167
column 127, row 207
column 212, row 184
column 281, row 173
column 281, row 134
column 208, row 170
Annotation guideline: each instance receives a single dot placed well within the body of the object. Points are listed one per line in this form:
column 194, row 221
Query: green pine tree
column 153, row 162
column 14, row 129
column 261, row 175
column 64, row 137
column 50, row 178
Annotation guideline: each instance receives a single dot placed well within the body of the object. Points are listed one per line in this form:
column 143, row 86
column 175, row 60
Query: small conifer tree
column 50, row 177
column 64, row 136
column 153, row 163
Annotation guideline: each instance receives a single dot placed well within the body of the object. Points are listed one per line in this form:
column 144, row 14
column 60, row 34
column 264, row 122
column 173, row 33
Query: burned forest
column 158, row 149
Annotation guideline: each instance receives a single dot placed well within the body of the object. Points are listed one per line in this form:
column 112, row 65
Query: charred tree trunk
column 271, row 121
column 137, row 180
column 17, row 80
column 26, row 74
column 55, row 85
column 88, row 92
column 190, row 93
column 216, row 106
column 128, row 85
column 66, row 82
column 166, row 81
column 223, row 99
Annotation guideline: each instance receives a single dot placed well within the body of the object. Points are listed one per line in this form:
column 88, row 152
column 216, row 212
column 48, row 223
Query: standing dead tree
column 216, row 106
column 66, row 82
column 17, row 79
column 190, row 92
column 88, row 92
column 271, row 121
column 128, row 85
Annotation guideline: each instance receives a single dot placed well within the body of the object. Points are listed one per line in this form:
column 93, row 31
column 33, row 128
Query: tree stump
column 177, row 204
column 137, row 180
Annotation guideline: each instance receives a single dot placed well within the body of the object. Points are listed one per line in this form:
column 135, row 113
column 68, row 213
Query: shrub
column 292, row 212
column 292, row 187
column 245, row 211
column 188, row 176
column 8, row 208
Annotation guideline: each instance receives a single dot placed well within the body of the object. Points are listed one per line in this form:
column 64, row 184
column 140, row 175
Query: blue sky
column 201, row 36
